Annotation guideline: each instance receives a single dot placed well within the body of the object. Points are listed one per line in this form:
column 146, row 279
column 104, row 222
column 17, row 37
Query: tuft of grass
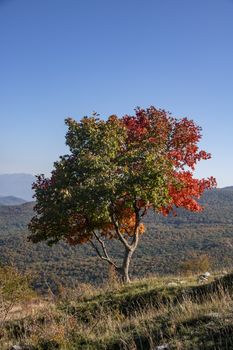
column 176, row 312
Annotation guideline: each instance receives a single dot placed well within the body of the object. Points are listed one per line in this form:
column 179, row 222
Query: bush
column 14, row 288
column 194, row 265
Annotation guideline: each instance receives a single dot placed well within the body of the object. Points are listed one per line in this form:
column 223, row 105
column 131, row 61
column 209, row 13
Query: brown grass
column 160, row 311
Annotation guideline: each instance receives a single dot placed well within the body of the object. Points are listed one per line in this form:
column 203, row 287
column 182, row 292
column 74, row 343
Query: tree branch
column 96, row 248
column 121, row 237
column 102, row 245
column 136, row 226
column 135, row 239
column 105, row 256
column 144, row 212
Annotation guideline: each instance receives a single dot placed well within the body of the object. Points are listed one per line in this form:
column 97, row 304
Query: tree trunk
column 123, row 271
column 125, row 265
column 129, row 250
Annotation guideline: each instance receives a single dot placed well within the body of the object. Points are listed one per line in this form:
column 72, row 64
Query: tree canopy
column 116, row 170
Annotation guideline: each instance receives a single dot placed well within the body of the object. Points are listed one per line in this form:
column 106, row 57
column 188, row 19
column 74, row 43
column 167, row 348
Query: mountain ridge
column 11, row 200
column 17, row 185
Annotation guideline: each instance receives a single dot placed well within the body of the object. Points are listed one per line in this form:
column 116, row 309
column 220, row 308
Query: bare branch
column 144, row 212
column 96, row 248
column 106, row 256
column 135, row 239
column 102, row 245
column 121, row 238
column 137, row 217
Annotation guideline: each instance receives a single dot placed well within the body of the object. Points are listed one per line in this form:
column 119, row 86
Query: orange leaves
column 183, row 149
column 77, row 233
column 176, row 138
column 126, row 219
column 176, row 142
column 151, row 124
column 185, row 190
column 185, row 132
column 141, row 228
column 128, row 222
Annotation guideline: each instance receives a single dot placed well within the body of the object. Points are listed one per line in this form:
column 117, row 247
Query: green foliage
column 14, row 286
column 86, row 185
column 116, row 171
column 168, row 242
column 196, row 264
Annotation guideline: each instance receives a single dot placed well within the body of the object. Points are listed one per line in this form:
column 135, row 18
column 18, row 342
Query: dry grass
column 142, row 315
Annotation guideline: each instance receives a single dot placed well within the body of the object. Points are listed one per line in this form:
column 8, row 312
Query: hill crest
column 17, row 185
column 11, row 200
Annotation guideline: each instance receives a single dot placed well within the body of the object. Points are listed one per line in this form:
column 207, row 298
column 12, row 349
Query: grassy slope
column 143, row 315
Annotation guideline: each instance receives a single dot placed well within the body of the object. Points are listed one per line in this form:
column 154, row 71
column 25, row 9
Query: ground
column 153, row 313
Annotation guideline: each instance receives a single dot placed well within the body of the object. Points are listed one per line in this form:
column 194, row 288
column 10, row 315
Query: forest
column 169, row 242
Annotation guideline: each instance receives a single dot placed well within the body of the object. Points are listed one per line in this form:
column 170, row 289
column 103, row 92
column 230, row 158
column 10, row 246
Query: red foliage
column 177, row 139
column 151, row 158
column 185, row 192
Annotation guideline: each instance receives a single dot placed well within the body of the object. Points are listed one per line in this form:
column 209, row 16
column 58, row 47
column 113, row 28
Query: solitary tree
column 117, row 170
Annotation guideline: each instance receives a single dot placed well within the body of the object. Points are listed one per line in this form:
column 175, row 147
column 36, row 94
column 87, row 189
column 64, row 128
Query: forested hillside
column 167, row 242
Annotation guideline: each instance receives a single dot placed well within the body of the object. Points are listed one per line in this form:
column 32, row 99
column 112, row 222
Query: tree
column 115, row 172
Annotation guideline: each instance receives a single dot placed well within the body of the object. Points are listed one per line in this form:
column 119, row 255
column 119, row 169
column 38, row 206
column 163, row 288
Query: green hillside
column 167, row 243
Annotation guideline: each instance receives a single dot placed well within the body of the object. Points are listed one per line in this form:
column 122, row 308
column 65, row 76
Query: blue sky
column 62, row 58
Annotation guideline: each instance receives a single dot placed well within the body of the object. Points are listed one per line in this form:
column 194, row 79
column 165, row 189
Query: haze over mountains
column 16, row 185
column 11, row 200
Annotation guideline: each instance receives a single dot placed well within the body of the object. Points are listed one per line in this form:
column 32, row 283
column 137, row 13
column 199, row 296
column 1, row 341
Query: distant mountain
column 11, row 200
column 17, row 185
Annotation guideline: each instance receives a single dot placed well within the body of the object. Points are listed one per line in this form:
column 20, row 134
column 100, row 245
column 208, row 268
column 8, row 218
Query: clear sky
column 62, row 58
